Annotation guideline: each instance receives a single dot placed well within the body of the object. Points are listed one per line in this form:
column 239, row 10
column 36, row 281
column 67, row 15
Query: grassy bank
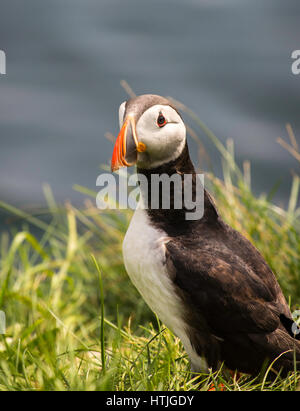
column 74, row 320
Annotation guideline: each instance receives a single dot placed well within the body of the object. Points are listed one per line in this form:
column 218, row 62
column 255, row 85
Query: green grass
column 75, row 321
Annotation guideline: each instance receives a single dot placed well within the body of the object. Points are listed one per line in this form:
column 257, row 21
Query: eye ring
column 161, row 121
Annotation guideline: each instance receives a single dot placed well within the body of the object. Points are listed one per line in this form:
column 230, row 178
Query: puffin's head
column 152, row 133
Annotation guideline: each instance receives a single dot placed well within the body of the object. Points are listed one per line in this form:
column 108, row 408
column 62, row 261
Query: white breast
column 144, row 258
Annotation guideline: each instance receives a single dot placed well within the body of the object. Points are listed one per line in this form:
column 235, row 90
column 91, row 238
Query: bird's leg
column 235, row 375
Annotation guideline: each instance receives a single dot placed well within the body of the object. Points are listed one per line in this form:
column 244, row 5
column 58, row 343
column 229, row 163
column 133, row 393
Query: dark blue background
column 228, row 60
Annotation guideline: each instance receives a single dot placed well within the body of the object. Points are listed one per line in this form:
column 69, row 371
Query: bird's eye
column 161, row 121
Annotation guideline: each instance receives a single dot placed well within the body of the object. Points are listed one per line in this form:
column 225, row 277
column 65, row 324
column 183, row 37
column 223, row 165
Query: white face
column 121, row 113
column 164, row 142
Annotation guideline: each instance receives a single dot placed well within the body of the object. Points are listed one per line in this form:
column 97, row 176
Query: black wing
column 231, row 296
column 227, row 287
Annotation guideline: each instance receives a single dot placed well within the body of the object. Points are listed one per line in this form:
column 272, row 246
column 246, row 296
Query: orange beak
column 126, row 146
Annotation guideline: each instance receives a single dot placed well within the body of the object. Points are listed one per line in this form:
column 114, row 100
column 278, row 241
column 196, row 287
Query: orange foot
column 221, row 387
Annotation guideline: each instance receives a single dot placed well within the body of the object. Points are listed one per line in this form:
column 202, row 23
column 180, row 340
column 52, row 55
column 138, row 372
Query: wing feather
column 232, row 297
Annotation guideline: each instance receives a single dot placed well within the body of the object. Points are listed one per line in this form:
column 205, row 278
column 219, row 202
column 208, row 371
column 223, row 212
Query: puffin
column 205, row 281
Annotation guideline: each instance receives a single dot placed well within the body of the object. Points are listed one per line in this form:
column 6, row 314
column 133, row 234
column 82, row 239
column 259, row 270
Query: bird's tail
column 282, row 349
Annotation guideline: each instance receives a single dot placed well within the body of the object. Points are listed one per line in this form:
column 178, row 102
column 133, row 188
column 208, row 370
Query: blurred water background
column 228, row 60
